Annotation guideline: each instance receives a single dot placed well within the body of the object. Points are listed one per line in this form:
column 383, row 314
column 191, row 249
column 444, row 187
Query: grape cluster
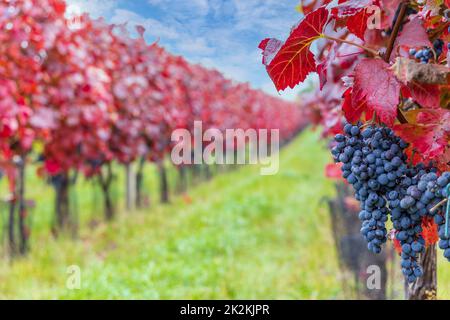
column 423, row 55
column 434, row 189
column 426, row 54
column 375, row 164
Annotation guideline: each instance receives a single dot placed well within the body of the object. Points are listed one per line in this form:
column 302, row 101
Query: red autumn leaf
column 389, row 9
column 429, row 135
column 322, row 68
column 377, row 87
column 352, row 112
column 357, row 24
column 52, row 167
column 429, row 231
column 413, row 35
column 294, row 61
column 322, row 71
column 263, row 44
column 350, row 7
column 312, row 5
column 270, row 48
column 427, row 95
column 352, row 14
column 333, row 171
column 397, row 246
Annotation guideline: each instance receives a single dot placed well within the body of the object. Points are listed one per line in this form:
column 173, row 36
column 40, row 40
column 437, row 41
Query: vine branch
column 396, row 29
column 387, row 57
column 373, row 52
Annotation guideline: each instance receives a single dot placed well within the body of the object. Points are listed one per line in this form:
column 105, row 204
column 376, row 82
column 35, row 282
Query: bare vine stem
column 401, row 16
column 373, row 52
column 440, row 204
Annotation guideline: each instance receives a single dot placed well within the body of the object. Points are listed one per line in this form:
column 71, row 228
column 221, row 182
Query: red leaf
column 352, row 112
column 389, row 9
column 52, row 167
column 309, row 7
column 397, row 246
column 294, row 61
column 59, row 6
column 271, row 48
column 430, row 135
column 353, row 14
column 357, row 24
column 429, row 231
column 427, row 95
column 264, row 43
column 376, row 85
column 322, row 68
column 333, row 171
column 350, row 7
column 413, row 35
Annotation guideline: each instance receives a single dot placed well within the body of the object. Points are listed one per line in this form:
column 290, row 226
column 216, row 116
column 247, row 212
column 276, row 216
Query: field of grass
column 238, row 236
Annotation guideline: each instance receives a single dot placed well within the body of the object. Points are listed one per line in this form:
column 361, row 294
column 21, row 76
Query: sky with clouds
column 221, row 34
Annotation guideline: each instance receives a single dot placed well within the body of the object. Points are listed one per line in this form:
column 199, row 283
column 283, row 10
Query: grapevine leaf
column 294, row 60
column 311, row 6
column 357, row 24
column 429, row 231
column 413, row 35
column 322, row 68
column 270, row 48
column 429, row 135
column 350, row 7
column 377, row 87
column 353, row 15
column 389, row 10
column 427, row 95
column 352, row 112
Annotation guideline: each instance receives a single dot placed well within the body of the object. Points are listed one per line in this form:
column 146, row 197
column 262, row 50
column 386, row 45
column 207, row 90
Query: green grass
column 239, row 236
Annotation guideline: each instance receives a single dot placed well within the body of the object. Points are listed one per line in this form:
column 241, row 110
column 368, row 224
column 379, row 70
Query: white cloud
column 269, row 16
column 153, row 27
column 96, row 8
column 182, row 7
column 288, row 94
column 195, row 46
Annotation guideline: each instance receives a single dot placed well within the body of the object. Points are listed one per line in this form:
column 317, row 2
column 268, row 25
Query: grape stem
column 373, row 52
column 440, row 204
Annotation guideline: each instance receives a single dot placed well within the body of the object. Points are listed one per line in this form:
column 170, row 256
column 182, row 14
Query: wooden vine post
column 425, row 287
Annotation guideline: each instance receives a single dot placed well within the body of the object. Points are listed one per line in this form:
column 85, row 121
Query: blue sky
column 221, row 34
